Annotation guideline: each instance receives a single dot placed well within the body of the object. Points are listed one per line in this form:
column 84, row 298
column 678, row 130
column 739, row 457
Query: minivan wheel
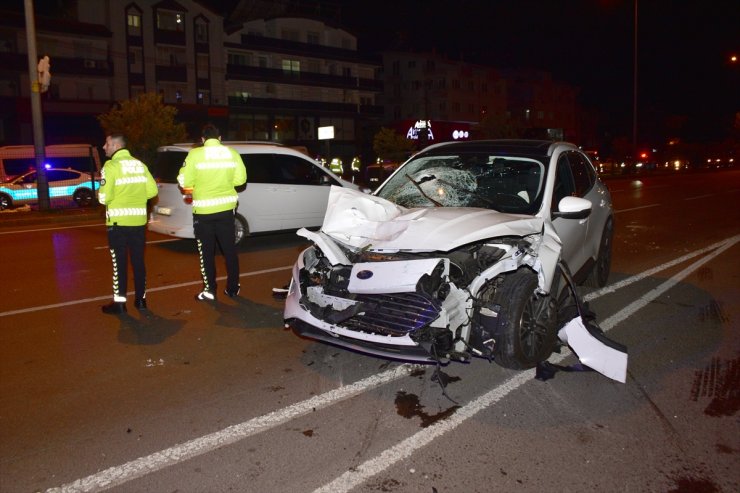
column 599, row 274
column 241, row 229
column 84, row 197
column 527, row 322
column 5, row 202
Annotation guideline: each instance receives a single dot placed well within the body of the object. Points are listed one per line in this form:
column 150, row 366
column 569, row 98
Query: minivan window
column 167, row 166
column 293, row 170
column 258, row 167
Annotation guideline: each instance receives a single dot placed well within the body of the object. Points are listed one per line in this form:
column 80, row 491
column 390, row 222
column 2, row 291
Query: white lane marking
column 148, row 290
column 404, row 449
column 16, row 231
column 387, row 458
column 142, row 466
column 636, row 208
column 637, row 277
column 700, row 196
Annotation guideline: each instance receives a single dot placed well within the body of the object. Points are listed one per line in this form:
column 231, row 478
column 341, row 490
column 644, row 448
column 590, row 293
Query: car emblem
column 365, row 274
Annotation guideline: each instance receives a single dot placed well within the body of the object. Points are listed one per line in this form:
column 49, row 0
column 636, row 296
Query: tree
column 147, row 124
column 387, row 144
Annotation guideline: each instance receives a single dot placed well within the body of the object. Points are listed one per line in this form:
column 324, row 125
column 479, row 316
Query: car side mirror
column 572, row 208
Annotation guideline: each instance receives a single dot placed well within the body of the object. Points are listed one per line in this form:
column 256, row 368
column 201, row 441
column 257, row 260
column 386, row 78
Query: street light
column 634, row 89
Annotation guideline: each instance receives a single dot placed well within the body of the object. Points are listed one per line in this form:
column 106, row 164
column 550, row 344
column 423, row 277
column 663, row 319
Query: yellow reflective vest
column 125, row 187
column 210, row 173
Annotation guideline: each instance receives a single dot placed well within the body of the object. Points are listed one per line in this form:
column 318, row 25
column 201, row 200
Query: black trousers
column 211, row 229
column 122, row 242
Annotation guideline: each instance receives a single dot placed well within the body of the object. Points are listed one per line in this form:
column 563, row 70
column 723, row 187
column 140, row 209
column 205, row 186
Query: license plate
column 164, row 211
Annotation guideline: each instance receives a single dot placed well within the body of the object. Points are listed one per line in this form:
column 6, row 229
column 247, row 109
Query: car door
column 261, row 202
column 305, row 191
column 572, row 232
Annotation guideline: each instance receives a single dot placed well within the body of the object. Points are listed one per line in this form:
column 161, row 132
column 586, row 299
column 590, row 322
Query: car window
column 258, row 167
column 167, row 166
column 18, row 166
column 583, row 173
column 60, row 175
column 293, row 170
column 564, row 185
column 85, row 164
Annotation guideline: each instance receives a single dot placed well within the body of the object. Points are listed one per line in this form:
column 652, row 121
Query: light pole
column 634, row 89
column 42, row 186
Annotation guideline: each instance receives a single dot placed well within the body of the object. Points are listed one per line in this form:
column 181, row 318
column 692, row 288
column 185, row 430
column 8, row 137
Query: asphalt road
column 205, row 398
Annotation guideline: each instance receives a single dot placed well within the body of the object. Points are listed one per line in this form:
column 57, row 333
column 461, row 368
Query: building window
column 412, row 64
column 133, row 23
column 135, row 60
column 239, row 58
column 201, row 32
column 204, row 97
column 396, row 68
column 291, row 66
column 201, row 66
column 170, row 21
column 313, row 38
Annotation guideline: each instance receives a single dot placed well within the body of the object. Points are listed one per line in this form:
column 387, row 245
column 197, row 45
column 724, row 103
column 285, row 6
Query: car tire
column 599, row 274
column 241, row 229
column 526, row 332
column 5, row 202
column 84, row 197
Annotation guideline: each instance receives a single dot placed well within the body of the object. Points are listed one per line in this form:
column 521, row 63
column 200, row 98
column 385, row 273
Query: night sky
column 686, row 85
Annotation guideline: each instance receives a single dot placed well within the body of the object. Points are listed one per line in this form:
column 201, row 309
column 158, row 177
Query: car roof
column 529, row 147
column 241, row 146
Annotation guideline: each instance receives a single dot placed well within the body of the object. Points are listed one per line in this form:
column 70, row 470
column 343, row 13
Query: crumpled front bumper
column 373, row 325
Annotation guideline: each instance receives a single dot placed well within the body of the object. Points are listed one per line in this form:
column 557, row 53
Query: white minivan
column 285, row 190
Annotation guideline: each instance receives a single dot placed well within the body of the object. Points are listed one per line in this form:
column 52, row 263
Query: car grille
column 394, row 314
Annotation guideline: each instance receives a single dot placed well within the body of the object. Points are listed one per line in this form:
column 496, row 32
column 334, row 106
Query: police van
column 285, row 190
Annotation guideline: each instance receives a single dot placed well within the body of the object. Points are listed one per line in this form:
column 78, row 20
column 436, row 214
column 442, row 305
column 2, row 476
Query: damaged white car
column 459, row 253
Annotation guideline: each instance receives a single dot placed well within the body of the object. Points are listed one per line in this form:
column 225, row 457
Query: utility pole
column 42, row 186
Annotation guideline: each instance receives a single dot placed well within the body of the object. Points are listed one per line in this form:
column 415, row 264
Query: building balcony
column 278, row 76
column 294, row 106
column 176, row 38
column 296, row 48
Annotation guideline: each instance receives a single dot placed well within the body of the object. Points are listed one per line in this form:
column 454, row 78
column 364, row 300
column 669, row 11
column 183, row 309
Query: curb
column 10, row 219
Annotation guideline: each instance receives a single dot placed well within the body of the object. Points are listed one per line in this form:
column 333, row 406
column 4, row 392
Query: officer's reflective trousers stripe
column 122, row 242
column 211, row 229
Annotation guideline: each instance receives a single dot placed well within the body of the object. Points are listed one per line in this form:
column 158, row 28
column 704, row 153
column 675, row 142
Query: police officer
column 125, row 187
column 210, row 173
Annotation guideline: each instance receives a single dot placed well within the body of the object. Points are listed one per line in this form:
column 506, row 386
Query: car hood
column 364, row 221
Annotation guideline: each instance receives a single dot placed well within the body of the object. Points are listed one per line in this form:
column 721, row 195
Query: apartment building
column 277, row 79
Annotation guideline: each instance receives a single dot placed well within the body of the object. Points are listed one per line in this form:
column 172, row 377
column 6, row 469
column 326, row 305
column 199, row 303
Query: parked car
column 63, row 184
column 285, row 190
column 457, row 254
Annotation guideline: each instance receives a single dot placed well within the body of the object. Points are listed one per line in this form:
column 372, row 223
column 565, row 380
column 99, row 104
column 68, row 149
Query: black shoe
column 140, row 304
column 114, row 308
column 205, row 296
column 231, row 294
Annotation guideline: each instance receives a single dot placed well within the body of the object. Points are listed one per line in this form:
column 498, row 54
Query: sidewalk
column 26, row 216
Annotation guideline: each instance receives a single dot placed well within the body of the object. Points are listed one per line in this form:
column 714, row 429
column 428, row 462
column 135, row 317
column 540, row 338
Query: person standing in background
column 125, row 187
column 211, row 173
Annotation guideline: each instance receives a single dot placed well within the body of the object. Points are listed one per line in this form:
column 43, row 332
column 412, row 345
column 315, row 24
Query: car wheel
column 84, row 197
column 527, row 322
column 599, row 274
column 5, row 202
column 241, row 229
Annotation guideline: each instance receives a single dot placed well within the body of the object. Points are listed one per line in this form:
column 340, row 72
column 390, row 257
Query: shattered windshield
column 503, row 183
